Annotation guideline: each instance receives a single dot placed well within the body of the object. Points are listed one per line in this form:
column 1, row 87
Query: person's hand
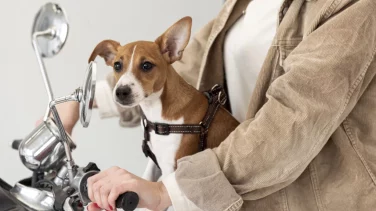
column 105, row 187
column 69, row 115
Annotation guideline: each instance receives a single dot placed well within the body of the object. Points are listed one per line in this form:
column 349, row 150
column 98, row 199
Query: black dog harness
column 216, row 97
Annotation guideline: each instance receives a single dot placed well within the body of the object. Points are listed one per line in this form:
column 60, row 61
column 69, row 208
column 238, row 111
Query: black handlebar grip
column 127, row 201
column 16, row 144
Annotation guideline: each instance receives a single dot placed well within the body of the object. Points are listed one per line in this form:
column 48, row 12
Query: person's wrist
column 165, row 200
column 69, row 125
column 68, row 128
column 69, row 114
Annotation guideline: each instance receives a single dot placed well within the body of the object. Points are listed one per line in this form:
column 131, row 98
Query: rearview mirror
column 50, row 29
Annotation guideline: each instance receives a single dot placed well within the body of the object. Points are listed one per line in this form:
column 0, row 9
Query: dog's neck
column 173, row 101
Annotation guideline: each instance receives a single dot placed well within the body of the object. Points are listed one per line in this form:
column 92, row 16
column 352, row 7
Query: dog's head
column 140, row 68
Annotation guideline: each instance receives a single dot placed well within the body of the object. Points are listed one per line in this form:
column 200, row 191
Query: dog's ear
column 173, row 42
column 106, row 49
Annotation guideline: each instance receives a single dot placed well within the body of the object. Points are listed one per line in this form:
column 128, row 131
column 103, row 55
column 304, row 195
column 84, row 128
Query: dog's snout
column 123, row 92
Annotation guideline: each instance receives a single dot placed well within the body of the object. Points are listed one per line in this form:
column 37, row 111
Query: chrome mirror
column 84, row 95
column 50, row 29
column 88, row 93
column 48, row 145
column 49, row 34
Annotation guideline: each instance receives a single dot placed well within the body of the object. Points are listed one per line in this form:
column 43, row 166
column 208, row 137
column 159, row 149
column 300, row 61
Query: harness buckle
column 162, row 129
column 204, row 128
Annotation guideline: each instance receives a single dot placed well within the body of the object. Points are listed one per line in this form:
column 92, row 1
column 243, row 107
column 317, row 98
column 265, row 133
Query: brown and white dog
column 145, row 77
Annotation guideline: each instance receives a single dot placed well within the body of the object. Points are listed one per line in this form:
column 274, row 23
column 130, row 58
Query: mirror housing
column 50, row 29
column 88, row 94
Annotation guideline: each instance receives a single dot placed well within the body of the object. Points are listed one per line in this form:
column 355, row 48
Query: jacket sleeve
column 323, row 81
column 188, row 67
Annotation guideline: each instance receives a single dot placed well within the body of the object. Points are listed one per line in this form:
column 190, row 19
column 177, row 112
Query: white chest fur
column 163, row 146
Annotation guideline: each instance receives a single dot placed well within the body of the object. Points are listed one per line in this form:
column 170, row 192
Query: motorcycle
column 57, row 182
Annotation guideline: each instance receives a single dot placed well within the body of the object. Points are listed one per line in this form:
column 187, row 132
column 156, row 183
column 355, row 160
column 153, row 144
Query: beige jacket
column 308, row 143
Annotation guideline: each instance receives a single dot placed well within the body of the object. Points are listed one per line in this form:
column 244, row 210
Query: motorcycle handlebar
column 127, row 201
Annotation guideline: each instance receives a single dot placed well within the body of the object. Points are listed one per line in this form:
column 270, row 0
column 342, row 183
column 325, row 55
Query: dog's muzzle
column 124, row 95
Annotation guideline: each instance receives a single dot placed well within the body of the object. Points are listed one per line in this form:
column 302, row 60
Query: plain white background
column 23, row 97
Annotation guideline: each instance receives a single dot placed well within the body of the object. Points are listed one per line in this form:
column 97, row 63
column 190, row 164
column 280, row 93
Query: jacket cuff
column 103, row 96
column 202, row 171
column 179, row 200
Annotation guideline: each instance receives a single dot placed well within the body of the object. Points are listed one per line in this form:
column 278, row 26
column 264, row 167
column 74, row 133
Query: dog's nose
column 122, row 92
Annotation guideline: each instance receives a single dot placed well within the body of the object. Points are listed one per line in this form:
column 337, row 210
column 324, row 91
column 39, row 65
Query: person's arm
column 324, row 79
column 68, row 113
column 104, row 102
column 177, row 199
column 152, row 172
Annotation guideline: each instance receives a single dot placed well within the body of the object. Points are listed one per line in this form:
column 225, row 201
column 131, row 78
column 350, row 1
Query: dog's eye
column 146, row 66
column 118, row 66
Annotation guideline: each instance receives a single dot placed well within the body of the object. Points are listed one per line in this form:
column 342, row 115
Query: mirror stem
column 47, row 84
column 51, row 33
column 75, row 96
column 70, row 162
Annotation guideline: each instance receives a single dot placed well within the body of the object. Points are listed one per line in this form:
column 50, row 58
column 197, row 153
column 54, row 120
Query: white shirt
column 245, row 49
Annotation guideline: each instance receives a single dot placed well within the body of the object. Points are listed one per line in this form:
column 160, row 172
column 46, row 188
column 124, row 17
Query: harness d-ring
column 220, row 100
column 214, row 87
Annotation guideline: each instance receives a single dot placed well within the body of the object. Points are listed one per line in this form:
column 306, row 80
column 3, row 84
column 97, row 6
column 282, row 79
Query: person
column 306, row 139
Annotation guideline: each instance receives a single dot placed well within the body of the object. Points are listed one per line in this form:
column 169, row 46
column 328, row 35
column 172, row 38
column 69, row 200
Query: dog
column 145, row 77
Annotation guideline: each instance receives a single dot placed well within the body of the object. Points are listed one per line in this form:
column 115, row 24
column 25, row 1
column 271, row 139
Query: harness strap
column 216, row 97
